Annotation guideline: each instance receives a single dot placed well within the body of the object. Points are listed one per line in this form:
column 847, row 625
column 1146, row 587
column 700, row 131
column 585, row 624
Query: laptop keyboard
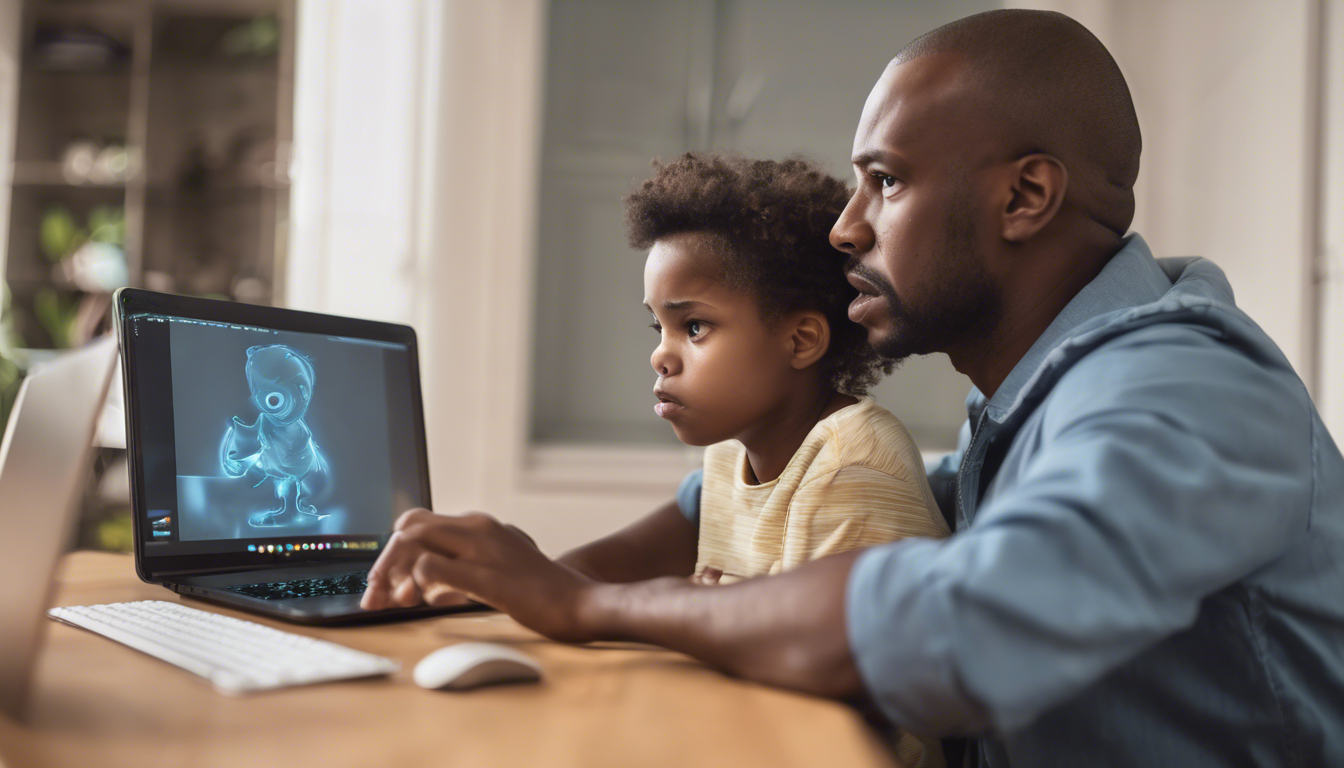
column 340, row 584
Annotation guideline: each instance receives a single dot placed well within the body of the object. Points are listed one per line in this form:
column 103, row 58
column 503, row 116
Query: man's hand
column 786, row 630
column 432, row 558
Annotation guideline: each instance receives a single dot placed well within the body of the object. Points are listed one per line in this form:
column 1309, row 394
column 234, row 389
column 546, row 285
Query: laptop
column 44, row 460
column 270, row 452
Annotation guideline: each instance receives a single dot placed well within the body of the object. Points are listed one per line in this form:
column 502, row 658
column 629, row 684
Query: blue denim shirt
column 1148, row 567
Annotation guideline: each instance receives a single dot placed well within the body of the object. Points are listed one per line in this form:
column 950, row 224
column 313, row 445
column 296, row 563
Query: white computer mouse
column 468, row 665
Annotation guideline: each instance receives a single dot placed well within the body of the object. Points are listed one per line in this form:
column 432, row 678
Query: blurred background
column 459, row 166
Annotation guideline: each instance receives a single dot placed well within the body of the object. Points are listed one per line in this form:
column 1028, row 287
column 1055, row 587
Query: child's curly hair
column 775, row 219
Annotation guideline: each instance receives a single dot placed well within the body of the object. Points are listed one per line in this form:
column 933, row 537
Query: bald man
column 1148, row 567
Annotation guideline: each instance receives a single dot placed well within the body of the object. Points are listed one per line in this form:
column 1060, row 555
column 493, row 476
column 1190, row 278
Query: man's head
column 996, row 159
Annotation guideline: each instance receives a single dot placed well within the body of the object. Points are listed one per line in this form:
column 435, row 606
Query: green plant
column 107, row 224
column 114, row 533
column 61, row 235
column 259, row 37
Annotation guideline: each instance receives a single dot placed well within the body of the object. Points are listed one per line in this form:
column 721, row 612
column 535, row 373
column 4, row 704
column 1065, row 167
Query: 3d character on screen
column 277, row 447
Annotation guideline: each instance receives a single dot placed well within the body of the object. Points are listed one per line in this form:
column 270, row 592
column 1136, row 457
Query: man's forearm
column 786, row 630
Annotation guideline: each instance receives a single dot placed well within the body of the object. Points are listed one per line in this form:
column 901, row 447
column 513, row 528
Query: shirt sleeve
column 688, row 496
column 1163, row 475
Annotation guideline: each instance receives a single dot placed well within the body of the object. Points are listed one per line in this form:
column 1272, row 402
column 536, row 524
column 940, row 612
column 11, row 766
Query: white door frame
column 460, row 113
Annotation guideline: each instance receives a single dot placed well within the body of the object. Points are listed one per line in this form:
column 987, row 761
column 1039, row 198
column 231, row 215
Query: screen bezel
column 129, row 302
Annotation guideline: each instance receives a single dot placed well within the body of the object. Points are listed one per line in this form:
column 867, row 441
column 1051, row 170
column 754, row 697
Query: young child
column 757, row 360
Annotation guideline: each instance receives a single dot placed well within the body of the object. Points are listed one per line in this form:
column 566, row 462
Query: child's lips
column 668, row 409
column 667, row 405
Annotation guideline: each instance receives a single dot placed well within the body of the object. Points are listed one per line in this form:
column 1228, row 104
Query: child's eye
column 694, row 328
column 655, row 326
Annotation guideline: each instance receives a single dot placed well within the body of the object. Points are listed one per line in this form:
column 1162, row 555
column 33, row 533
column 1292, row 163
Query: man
column 1149, row 559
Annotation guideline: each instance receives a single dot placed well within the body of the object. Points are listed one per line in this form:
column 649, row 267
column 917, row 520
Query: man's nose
column 852, row 234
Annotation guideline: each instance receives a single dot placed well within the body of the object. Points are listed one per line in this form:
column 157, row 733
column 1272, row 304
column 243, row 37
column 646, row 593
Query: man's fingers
column 406, row 594
column 443, row 580
column 434, row 558
column 458, row 536
column 411, row 517
column 389, row 571
column 374, row 597
column 442, row 535
column 376, row 593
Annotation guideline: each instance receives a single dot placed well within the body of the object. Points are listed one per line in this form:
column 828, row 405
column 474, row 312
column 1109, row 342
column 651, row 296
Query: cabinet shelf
column 203, row 123
column 37, row 173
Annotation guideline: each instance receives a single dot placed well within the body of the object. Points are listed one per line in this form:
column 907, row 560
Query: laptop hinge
column 164, row 576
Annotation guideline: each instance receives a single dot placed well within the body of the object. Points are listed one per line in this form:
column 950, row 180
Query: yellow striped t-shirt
column 856, row 481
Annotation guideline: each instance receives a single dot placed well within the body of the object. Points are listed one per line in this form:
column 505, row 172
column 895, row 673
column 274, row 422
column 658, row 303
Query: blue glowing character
column 278, row 446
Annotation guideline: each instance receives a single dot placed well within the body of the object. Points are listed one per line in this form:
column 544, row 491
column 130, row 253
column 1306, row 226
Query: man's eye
column 886, row 181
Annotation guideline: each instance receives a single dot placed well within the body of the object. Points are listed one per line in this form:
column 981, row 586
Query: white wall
column 479, row 320
column 416, row 135
column 1223, row 95
column 1331, row 217
column 1225, row 99
column 357, row 158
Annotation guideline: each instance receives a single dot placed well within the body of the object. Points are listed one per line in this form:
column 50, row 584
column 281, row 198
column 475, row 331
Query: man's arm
column 786, row 630
column 662, row 543
column 1170, row 467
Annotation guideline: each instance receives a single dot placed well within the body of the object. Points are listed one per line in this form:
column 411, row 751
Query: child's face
column 721, row 370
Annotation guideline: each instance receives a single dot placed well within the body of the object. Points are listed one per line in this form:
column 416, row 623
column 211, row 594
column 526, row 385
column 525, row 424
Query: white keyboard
column 236, row 656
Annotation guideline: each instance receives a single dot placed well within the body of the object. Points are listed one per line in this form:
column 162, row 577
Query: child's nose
column 663, row 361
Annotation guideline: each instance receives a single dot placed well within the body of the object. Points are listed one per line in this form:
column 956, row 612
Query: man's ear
column 809, row 338
column 1037, row 191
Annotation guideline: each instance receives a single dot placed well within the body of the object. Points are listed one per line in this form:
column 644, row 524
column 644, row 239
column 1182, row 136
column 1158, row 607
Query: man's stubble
column 960, row 302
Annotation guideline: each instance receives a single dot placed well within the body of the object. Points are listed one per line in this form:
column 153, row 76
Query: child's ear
column 810, row 337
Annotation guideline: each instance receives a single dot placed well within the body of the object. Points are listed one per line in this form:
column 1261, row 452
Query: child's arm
column 662, row 543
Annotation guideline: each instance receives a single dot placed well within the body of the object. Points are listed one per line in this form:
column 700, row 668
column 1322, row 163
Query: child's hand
column 707, row 577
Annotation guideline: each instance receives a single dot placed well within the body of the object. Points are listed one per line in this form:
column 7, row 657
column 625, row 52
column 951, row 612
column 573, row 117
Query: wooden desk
column 98, row 703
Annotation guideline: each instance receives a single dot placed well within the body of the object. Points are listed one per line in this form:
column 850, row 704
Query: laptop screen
column 262, row 444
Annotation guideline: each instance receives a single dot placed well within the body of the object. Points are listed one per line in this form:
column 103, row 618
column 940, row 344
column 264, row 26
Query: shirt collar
column 1131, row 278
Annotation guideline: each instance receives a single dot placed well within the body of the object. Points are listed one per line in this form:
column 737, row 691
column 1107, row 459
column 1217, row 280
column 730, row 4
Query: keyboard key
column 341, row 584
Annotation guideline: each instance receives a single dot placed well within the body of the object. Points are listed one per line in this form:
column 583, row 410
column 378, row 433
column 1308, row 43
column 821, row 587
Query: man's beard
column 961, row 302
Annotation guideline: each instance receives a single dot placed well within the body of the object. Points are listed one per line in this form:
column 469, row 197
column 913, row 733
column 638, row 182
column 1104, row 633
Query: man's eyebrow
column 870, row 156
